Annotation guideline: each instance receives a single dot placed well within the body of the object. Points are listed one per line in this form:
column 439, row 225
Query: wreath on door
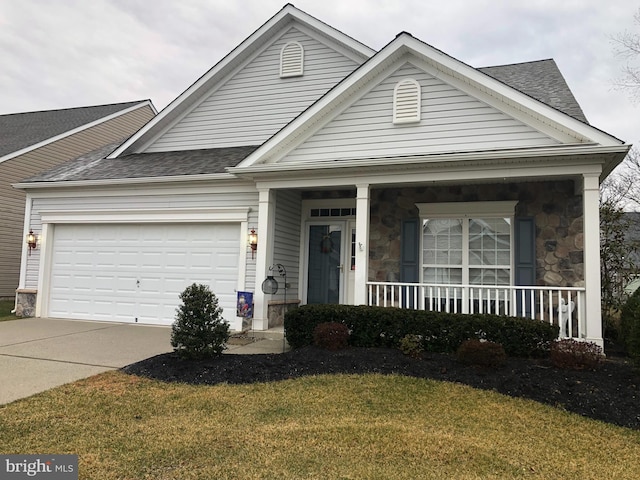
column 326, row 244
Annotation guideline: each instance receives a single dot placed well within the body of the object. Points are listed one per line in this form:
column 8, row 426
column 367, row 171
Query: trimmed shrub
column 331, row 336
column 440, row 331
column 630, row 325
column 575, row 355
column 411, row 345
column 199, row 330
column 481, row 353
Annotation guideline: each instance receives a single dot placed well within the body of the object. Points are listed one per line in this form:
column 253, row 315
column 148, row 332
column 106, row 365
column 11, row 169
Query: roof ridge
column 77, row 108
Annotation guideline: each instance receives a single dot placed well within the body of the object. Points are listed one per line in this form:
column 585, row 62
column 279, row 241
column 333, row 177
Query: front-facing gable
column 258, row 100
column 450, row 120
column 463, row 110
column 235, row 103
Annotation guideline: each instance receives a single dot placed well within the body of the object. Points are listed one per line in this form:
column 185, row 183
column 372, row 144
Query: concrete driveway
column 37, row 354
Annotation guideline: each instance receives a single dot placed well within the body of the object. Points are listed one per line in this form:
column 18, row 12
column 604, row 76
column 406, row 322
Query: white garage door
column 134, row 273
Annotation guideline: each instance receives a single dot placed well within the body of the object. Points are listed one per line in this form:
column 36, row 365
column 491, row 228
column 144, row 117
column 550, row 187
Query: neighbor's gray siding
column 287, row 237
column 41, row 159
column 255, row 103
column 451, row 120
column 163, row 198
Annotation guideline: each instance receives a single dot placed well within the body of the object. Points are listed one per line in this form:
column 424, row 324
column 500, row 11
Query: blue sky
column 68, row 53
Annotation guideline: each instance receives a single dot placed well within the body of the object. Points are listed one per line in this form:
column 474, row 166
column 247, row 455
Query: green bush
column 575, row 355
column 440, row 331
column 331, row 336
column 411, row 345
column 630, row 325
column 199, row 330
column 482, row 353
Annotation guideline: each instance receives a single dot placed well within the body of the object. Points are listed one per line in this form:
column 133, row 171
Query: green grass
column 323, row 427
column 5, row 310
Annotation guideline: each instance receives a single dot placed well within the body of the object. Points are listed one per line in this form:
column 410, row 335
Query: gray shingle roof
column 541, row 80
column 22, row 130
column 94, row 165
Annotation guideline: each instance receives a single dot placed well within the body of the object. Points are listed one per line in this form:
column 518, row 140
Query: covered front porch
column 516, row 246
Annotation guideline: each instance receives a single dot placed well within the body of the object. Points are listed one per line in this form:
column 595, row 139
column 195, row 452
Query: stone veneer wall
column 556, row 208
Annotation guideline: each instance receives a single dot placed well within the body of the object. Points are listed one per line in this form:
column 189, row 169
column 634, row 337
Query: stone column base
column 26, row 302
column 277, row 309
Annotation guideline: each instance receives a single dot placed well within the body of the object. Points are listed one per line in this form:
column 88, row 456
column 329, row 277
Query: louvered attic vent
column 406, row 101
column 291, row 60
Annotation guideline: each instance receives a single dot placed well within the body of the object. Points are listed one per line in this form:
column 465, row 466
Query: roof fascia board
column 457, row 173
column 185, row 101
column 560, row 151
column 79, row 129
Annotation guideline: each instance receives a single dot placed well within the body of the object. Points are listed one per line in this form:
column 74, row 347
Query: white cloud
column 64, row 53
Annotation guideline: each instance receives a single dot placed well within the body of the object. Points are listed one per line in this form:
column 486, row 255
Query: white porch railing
column 563, row 306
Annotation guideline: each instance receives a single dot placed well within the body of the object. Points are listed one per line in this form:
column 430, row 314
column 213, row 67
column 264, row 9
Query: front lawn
column 318, row 427
column 5, row 310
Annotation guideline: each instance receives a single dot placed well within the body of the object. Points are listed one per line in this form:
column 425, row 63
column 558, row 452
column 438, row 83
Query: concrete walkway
column 37, row 354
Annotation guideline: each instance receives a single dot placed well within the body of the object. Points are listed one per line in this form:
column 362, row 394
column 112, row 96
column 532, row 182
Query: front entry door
column 325, row 272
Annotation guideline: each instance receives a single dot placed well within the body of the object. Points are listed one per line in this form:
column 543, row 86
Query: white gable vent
column 406, row 101
column 291, row 60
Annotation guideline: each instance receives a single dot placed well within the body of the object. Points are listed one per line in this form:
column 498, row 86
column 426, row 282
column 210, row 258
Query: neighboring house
column 399, row 177
column 37, row 141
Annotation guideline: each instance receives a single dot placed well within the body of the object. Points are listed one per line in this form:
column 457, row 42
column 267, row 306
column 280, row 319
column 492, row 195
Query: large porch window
column 467, row 251
column 467, row 243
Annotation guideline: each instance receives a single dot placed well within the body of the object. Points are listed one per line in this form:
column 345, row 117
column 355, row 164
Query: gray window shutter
column 409, row 251
column 525, row 260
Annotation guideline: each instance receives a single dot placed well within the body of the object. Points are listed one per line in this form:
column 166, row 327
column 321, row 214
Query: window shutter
column 410, row 257
column 525, row 259
column 406, row 101
column 291, row 60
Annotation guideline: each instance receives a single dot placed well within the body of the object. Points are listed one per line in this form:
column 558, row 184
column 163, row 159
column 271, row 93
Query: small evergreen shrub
column 199, row 330
column 331, row 336
column 630, row 325
column 411, row 345
column 481, row 353
column 575, row 355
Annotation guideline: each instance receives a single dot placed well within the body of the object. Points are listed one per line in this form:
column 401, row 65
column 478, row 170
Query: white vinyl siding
column 406, row 101
column 255, row 103
column 287, row 237
column 450, row 121
column 166, row 199
column 291, row 60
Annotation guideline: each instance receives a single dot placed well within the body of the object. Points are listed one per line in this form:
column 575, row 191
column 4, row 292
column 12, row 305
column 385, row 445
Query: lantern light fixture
column 32, row 241
column 253, row 241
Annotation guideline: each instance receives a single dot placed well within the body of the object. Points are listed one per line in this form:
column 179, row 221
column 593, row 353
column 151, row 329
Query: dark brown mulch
column 610, row 394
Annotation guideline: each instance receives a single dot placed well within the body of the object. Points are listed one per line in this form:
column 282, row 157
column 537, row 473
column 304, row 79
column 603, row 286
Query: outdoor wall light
column 253, row 241
column 32, row 241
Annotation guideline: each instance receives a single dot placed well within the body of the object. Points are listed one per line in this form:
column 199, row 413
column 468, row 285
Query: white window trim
column 466, row 210
column 297, row 56
column 416, row 102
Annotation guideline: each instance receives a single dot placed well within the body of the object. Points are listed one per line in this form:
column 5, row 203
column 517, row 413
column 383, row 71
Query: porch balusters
column 562, row 306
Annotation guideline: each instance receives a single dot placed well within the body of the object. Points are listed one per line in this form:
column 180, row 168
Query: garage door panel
column 129, row 272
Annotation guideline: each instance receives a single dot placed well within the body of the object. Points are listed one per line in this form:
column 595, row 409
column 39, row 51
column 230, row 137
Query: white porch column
column 591, row 212
column 264, row 256
column 362, row 244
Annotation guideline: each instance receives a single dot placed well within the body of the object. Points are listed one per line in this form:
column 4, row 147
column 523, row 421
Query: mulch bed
column 610, row 393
